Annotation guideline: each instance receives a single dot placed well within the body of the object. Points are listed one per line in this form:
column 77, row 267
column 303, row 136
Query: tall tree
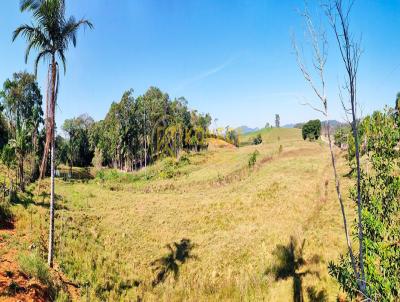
column 339, row 16
column 317, row 82
column 22, row 104
column 277, row 121
column 51, row 34
column 142, row 129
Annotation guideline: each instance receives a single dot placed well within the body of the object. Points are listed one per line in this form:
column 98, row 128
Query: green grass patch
column 35, row 267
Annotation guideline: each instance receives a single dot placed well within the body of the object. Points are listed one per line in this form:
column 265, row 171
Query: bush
column 311, row 130
column 5, row 212
column 253, row 158
column 184, row 160
column 97, row 160
column 257, row 140
column 169, row 169
column 341, row 135
column 34, row 266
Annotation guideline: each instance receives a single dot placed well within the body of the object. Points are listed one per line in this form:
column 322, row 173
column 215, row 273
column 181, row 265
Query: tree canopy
column 311, row 130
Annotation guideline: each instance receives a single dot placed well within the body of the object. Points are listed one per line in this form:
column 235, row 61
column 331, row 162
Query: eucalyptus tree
column 78, row 150
column 148, row 127
column 50, row 34
column 22, row 102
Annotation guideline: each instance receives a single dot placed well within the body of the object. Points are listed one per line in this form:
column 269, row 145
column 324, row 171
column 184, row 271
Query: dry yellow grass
column 110, row 231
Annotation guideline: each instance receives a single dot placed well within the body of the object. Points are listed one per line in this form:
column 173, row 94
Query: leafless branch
column 318, row 43
column 350, row 52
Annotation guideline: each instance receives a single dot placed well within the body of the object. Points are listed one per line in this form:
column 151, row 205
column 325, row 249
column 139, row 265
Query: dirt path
column 15, row 285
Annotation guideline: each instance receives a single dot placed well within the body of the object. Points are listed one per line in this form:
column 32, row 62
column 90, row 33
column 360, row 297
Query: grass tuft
column 33, row 266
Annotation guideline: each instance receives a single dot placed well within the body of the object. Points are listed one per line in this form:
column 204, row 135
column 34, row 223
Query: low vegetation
column 35, row 267
column 193, row 237
column 5, row 212
column 257, row 140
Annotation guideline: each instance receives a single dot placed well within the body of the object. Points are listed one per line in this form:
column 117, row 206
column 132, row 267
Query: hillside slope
column 208, row 228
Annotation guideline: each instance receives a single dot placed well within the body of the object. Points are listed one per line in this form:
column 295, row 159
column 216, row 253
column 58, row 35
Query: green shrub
column 169, row 169
column 5, row 212
column 253, row 158
column 100, row 175
column 184, row 160
column 34, row 266
column 311, row 130
column 257, row 140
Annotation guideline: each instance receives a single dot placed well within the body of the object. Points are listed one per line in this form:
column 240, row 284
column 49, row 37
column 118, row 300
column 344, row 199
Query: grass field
column 223, row 221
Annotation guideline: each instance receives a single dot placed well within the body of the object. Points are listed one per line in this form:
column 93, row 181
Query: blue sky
column 230, row 58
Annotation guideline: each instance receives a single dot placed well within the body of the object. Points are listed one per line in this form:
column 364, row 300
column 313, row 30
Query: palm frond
column 63, row 60
column 30, row 4
column 40, row 56
column 71, row 26
column 35, row 37
column 23, row 29
column 51, row 33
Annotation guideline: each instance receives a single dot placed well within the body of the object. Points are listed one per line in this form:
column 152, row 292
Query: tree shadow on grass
column 27, row 199
column 178, row 254
column 289, row 264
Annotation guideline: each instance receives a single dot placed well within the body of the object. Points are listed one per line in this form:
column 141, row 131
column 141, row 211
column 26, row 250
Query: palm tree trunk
column 51, row 231
column 51, row 139
column 21, row 175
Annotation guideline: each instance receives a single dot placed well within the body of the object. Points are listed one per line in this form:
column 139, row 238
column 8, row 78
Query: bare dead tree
column 350, row 52
column 318, row 47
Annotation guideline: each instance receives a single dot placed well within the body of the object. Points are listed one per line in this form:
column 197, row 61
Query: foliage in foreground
column 380, row 192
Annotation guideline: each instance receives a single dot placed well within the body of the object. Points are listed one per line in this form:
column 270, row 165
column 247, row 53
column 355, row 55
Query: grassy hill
column 204, row 228
column 270, row 135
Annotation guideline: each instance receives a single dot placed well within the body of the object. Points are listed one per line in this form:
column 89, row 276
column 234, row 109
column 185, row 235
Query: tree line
column 135, row 132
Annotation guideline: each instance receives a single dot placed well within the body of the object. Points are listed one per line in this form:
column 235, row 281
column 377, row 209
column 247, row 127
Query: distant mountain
column 288, row 126
column 332, row 123
column 245, row 129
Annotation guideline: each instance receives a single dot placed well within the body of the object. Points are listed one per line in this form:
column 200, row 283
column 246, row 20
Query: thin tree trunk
column 52, row 140
column 359, row 205
column 21, row 175
column 49, row 96
column 51, row 230
column 339, row 195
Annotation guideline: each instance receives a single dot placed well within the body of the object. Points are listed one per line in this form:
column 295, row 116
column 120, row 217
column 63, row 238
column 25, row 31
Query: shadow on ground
column 289, row 264
column 169, row 264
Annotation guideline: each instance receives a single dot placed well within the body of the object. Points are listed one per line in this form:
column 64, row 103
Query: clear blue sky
column 230, row 58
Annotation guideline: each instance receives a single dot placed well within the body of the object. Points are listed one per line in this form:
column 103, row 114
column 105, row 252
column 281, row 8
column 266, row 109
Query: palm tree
column 20, row 145
column 51, row 34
